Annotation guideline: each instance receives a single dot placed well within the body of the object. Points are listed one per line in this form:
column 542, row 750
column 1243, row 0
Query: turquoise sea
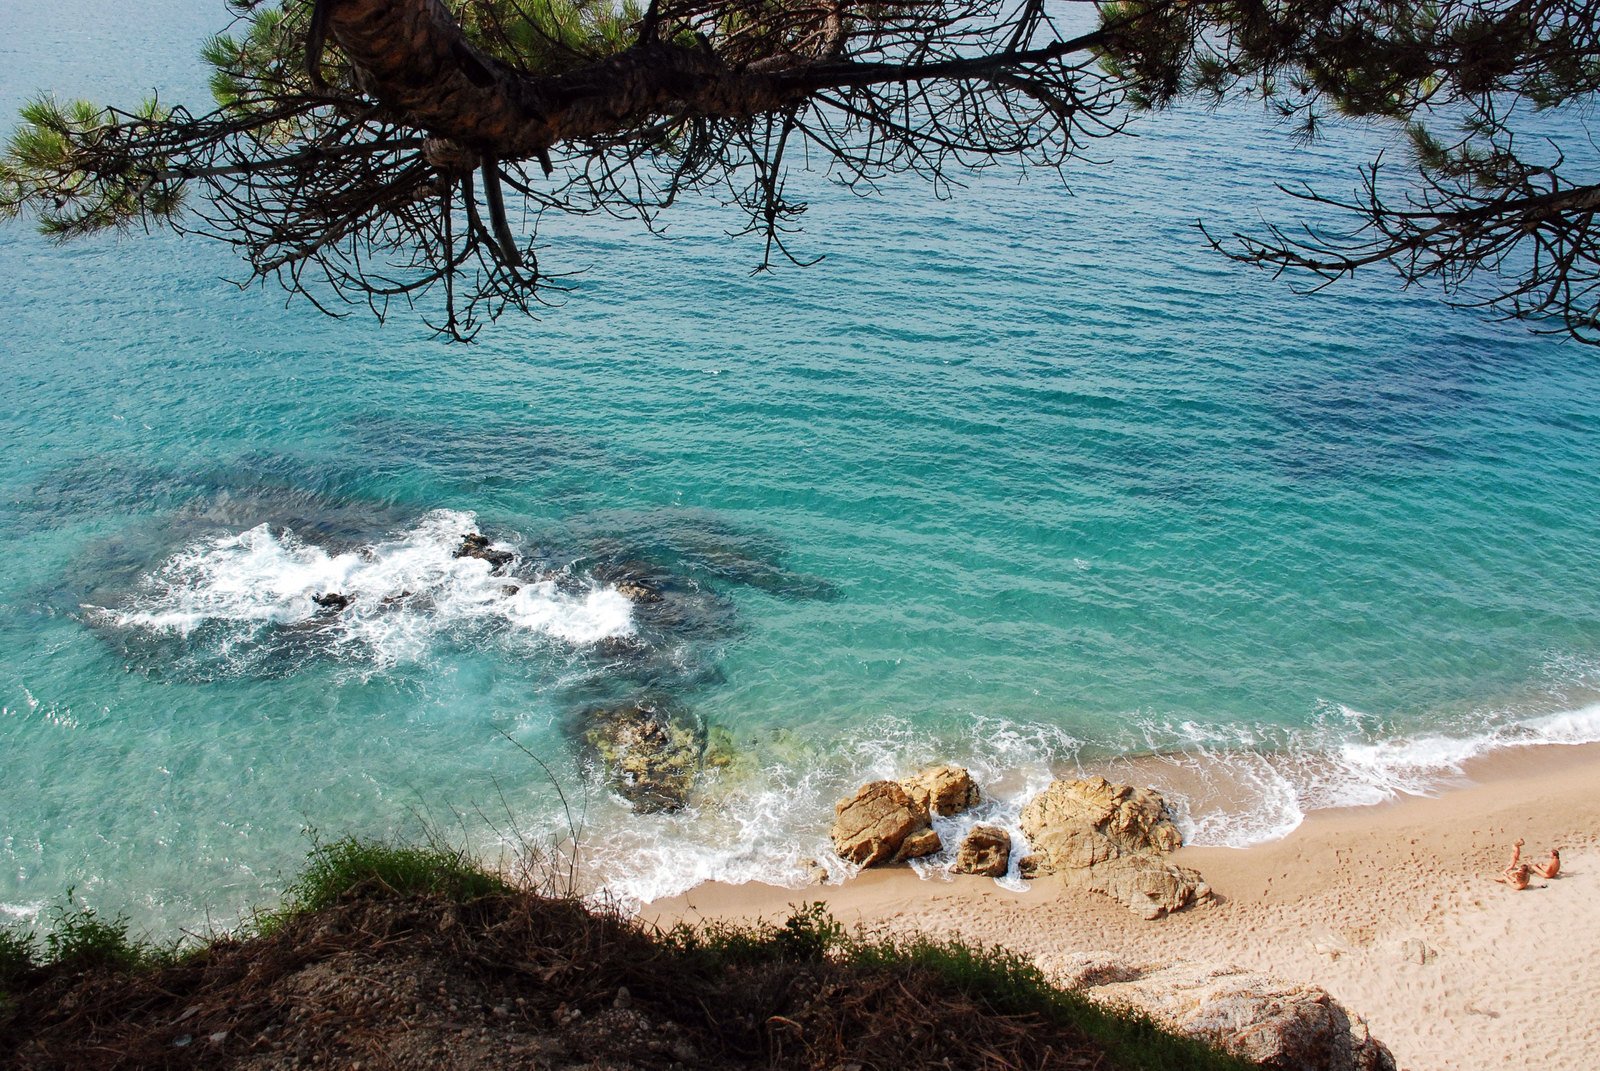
column 1021, row 479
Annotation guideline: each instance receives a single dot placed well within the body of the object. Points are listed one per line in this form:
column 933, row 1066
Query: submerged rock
column 636, row 581
column 637, row 591
column 815, row 872
column 882, row 824
column 1274, row 1024
column 476, row 545
column 1109, row 838
column 984, row 850
column 652, row 754
column 721, row 750
column 942, row 790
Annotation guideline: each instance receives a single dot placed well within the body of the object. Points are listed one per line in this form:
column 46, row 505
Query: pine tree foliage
column 1498, row 218
column 403, row 151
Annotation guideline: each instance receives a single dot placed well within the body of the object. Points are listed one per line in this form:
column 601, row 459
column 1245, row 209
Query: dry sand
column 1515, row 978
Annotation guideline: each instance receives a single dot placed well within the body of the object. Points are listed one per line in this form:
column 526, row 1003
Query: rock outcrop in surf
column 1110, row 838
column 943, row 790
column 1098, row 836
column 891, row 821
column 881, row 823
column 477, row 545
column 985, row 850
column 653, row 753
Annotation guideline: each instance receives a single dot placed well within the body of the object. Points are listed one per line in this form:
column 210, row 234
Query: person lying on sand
column 1515, row 876
column 1550, row 868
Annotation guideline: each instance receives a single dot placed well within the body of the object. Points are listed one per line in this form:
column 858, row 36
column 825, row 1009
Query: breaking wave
column 405, row 592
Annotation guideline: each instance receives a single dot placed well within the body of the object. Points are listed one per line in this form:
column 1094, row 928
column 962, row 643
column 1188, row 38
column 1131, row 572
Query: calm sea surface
column 1018, row 479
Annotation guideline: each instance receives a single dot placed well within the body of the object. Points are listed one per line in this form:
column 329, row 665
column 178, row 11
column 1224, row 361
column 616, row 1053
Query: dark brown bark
column 413, row 57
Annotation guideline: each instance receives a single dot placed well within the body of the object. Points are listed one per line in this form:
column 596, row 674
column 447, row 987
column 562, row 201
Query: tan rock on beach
column 882, row 824
column 1110, row 839
column 943, row 790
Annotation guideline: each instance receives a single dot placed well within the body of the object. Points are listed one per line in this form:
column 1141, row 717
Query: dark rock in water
column 331, row 600
column 652, row 754
column 509, row 590
column 635, row 591
column 621, row 647
column 476, row 545
column 391, row 600
column 635, row 580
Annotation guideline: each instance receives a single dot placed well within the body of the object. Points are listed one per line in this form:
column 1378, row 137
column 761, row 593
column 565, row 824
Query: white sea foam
column 24, row 913
column 760, row 823
column 404, row 591
column 1233, row 786
column 1239, row 795
column 1581, row 726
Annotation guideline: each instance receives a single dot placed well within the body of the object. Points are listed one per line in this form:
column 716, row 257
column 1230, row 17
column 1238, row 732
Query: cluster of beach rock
column 1113, row 839
column 1103, row 837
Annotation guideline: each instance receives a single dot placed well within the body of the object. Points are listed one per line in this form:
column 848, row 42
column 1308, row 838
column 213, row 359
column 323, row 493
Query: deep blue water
column 1019, row 479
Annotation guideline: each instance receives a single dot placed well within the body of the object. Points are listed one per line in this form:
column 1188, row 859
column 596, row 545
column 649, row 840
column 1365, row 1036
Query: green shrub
column 380, row 868
column 16, row 955
column 79, row 937
column 1012, row 984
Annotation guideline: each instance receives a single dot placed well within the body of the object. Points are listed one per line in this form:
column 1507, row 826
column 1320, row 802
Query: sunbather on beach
column 1551, row 867
column 1516, row 854
column 1515, row 876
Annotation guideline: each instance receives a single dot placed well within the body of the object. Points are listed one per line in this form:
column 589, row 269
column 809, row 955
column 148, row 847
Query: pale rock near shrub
column 1278, row 1025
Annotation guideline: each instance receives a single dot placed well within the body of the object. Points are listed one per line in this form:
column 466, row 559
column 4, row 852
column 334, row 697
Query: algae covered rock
column 653, row 754
column 873, row 825
column 942, row 790
column 984, row 850
column 635, row 581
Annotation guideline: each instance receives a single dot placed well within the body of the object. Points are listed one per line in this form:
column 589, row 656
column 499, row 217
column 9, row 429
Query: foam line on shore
column 1236, row 797
column 763, row 828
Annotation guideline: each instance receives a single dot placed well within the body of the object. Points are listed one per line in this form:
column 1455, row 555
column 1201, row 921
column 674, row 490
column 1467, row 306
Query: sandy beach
column 1512, row 977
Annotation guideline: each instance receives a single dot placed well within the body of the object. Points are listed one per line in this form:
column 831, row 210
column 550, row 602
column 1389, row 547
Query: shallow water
column 1018, row 479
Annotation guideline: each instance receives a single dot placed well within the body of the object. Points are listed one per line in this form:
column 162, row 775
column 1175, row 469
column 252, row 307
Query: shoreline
column 1332, row 903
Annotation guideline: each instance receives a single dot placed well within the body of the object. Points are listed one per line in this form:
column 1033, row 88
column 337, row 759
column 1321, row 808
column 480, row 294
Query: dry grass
column 385, row 975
